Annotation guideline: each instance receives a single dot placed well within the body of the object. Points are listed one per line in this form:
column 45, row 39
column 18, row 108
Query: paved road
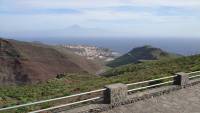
column 181, row 101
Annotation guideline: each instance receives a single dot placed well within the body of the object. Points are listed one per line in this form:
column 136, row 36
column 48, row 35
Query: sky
column 100, row 18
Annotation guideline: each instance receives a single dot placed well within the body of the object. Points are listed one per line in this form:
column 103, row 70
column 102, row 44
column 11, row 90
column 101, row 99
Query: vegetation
column 25, row 62
column 141, row 54
column 75, row 83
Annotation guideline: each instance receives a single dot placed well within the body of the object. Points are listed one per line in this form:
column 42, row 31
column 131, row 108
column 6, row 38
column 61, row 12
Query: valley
column 35, row 71
column 57, row 55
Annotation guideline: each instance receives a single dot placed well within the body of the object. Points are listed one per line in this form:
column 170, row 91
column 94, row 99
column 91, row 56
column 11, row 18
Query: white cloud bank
column 175, row 18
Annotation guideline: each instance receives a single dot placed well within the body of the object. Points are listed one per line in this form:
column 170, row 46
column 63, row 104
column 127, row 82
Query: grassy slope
column 141, row 53
column 74, row 83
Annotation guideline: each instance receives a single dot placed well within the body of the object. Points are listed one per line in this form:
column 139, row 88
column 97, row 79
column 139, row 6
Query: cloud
column 165, row 7
column 42, row 11
column 24, row 7
column 128, row 16
column 102, row 3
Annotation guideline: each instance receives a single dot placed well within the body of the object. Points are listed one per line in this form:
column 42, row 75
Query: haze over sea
column 156, row 20
column 184, row 46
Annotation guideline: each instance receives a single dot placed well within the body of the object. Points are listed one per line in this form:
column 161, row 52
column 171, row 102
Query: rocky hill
column 141, row 54
column 24, row 62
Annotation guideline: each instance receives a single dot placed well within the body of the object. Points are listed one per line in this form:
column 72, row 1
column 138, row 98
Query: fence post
column 115, row 93
column 181, row 79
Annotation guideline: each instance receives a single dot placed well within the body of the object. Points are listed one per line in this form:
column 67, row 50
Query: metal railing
column 150, row 86
column 55, row 99
column 64, row 105
column 193, row 72
column 194, row 76
column 95, row 91
column 137, row 83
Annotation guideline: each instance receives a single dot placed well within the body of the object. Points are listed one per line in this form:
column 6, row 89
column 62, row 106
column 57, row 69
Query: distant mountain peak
column 148, row 46
column 75, row 26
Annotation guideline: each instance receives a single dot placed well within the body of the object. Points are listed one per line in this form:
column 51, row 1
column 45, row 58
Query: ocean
column 184, row 46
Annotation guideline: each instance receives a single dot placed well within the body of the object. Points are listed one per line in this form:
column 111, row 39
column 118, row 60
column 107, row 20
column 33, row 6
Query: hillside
column 157, row 68
column 90, row 66
column 141, row 54
column 23, row 62
column 75, row 83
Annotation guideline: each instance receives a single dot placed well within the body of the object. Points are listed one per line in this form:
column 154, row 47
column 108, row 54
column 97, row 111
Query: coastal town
column 93, row 52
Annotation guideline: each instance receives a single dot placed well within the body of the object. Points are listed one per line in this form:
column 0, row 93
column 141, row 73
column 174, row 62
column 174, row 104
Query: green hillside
column 148, row 69
column 141, row 54
column 74, row 83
